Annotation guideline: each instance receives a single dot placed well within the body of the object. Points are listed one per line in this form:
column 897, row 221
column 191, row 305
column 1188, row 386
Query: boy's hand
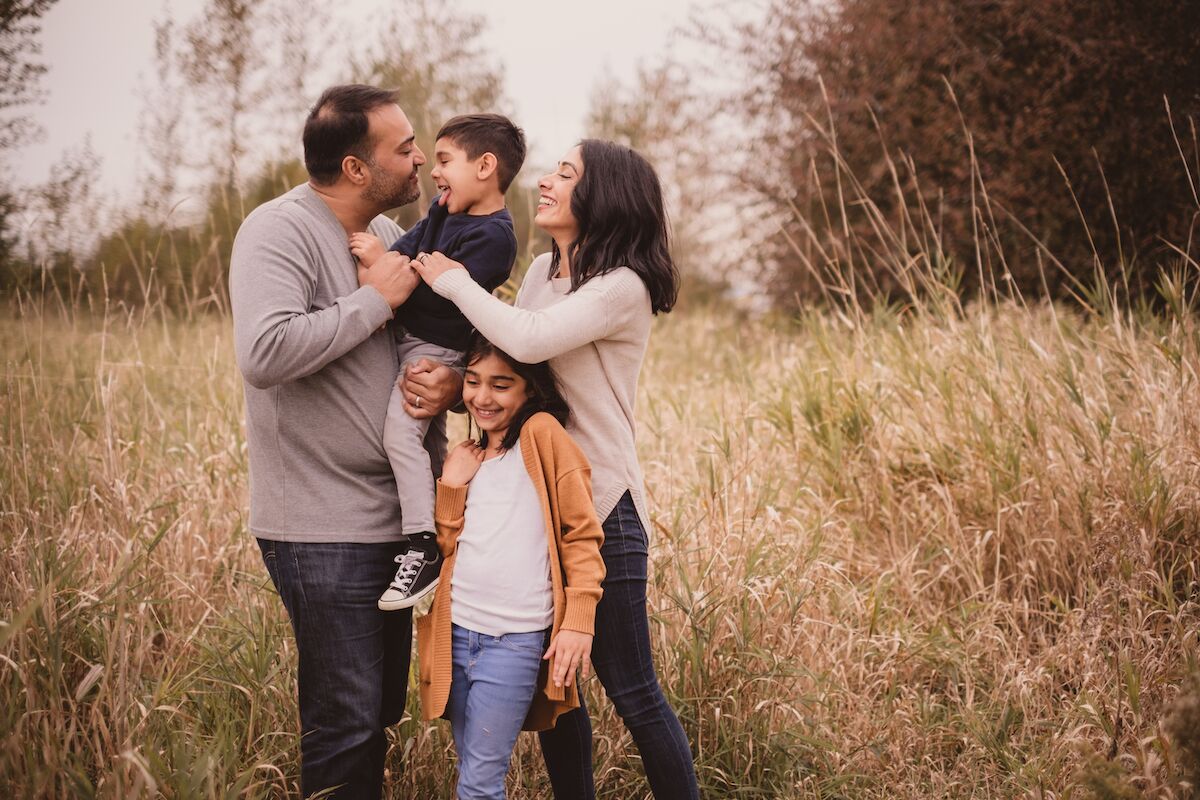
column 429, row 388
column 462, row 463
column 570, row 650
column 391, row 276
column 367, row 248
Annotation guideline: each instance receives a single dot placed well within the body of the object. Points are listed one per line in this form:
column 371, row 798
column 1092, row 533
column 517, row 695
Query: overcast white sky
column 99, row 53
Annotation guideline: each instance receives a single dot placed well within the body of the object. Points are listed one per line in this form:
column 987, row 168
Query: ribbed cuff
column 581, row 611
column 375, row 308
column 451, row 502
column 450, row 281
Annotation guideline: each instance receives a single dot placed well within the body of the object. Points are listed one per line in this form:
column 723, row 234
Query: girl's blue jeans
column 621, row 657
column 493, row 681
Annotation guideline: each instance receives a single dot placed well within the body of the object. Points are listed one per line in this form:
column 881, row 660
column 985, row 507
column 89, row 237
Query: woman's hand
column 571, row 650
column 429, row 388
column 431, row 266
column 462, row 464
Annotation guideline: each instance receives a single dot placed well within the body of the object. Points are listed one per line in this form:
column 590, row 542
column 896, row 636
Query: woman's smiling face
column 554, row 199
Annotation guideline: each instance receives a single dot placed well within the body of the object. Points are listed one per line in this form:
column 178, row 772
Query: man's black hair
column 338, row 127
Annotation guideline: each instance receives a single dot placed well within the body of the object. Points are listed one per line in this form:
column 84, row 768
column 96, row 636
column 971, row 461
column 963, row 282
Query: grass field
column 898, row 555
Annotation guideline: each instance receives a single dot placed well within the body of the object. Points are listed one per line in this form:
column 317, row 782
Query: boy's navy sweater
column 485, row 245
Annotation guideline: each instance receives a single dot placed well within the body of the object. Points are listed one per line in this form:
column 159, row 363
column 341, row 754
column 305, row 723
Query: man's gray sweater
column 318, row 372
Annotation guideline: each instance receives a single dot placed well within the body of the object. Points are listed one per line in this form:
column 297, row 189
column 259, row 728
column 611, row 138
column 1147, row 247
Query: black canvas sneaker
column 416, row 577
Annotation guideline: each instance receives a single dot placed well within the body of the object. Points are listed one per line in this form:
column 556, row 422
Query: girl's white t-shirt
column 501, row 580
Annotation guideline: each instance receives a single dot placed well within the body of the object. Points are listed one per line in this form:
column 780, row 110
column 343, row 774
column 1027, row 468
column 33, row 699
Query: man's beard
column 386, row 191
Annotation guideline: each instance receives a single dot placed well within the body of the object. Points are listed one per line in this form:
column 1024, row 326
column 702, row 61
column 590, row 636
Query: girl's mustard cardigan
column 562, row 478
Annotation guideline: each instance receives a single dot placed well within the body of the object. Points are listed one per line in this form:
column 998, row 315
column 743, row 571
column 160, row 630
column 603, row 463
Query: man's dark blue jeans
column 621, row 657
column 353, row 671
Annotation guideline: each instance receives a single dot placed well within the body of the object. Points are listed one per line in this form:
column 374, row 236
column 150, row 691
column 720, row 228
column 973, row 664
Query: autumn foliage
column 975, row 129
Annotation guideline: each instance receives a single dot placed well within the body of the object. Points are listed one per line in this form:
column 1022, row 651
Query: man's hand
column 429, row 388
column 462, row 463
column 391, row 276
column 570, row 650
column 367, row 248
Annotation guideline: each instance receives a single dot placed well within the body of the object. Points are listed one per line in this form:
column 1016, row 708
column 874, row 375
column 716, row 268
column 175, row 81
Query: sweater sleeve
column 589, row 314
column 581, row 535
column 278, row 337
column 449, row 515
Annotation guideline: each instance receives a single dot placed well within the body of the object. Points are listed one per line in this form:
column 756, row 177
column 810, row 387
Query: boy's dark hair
column 618, row 203
column 477, row 134
column 337, row 126
column 539, row 380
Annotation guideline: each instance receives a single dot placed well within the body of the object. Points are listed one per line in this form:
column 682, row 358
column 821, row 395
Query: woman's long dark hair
column 618, row 204
column 539, row 380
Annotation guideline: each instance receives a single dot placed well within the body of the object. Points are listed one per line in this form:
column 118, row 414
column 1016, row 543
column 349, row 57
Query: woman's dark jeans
column 621, row 657
column 353, row 671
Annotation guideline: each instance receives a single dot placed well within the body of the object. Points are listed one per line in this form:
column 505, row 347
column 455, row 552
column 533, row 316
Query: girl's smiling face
column 493, row 393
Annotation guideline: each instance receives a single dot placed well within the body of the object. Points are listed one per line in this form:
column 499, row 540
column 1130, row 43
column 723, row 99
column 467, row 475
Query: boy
column 476, row 157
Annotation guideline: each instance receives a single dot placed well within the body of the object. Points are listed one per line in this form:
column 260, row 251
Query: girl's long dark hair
column 618, row 204
column 539, row 380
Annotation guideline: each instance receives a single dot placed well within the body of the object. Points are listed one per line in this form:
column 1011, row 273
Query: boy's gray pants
column 416, row 448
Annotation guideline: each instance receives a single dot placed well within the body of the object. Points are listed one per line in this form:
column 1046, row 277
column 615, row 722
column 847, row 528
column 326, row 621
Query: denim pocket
column 532, row 642
column 270, row 560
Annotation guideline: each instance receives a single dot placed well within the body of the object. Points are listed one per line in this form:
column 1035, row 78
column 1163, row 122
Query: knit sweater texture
column 560, row 474
column 595, row 340
column 318, row 364
column 485, row 245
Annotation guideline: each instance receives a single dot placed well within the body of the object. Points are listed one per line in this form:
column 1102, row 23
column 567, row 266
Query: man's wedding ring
column 417, row 402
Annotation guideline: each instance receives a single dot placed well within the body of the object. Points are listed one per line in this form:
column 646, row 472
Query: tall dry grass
column 906, row 553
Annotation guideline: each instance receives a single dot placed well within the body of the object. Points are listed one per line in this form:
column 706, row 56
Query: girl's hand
column 431, row 266
column 367, row 248
column 462, row 463
column 571, row 650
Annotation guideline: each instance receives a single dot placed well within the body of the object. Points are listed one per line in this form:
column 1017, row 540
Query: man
column 318, row 360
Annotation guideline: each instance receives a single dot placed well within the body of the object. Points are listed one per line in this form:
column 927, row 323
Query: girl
column 522, row 569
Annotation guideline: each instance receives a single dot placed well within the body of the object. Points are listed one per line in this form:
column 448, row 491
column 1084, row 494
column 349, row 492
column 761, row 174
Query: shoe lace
column 410, row 564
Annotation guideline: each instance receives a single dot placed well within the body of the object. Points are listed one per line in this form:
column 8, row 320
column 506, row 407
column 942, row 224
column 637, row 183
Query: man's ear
column 356, row 170
column 485, row 166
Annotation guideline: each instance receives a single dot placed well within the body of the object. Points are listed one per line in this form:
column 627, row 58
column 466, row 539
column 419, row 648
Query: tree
column 20, row 72
column 20, row 76
column 437, row 65
column 303, row 41
column 664, row 116
column 162, row 127
column 67, row 210
column 963, row 123
column 222, row 62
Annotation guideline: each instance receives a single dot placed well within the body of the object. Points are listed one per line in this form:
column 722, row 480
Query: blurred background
column 811, row 150
column 921, row 441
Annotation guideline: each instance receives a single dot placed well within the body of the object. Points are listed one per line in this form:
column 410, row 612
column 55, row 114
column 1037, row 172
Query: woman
column 586, row 307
